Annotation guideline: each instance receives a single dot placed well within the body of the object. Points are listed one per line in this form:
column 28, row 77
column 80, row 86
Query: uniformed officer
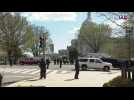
column 42, row 66
column 47, row 63
column 77, row 69
column 60, row 63
column 1, row 77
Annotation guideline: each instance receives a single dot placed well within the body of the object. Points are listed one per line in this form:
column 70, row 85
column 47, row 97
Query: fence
column 128, row 73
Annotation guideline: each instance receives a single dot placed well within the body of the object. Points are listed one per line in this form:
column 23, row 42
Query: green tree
column 126, row 45
column 32, row 37
column 94, row 35
column 13, row 30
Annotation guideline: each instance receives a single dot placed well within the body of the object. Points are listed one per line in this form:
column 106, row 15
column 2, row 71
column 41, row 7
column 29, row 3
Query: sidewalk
column 87, row 79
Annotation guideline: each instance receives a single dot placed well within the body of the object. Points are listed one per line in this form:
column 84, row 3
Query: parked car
column 29, row 61
column 115, row 62
column 118, row 63
column 94, row 63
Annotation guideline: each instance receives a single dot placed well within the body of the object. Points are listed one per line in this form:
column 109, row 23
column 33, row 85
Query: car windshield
column 98, row 61
column 83, row 60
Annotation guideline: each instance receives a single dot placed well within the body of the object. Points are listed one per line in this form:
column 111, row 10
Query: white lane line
column 28, row 71
column 63, row 72
column 19, row 70
column 8, row 70
column 2, row 69
column 49, row 71
column 54, row 72
column 35, row 72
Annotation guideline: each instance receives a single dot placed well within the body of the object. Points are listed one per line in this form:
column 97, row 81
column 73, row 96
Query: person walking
column 47, row 63
column 77, row 69
column 60, row 61
column 57, row 61
column 42, row 66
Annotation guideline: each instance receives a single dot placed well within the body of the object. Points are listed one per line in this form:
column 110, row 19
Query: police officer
column 60, row 62
column 10, row 61
column 47, row 63
column 42, row 66
column 1, row 77
column 77, row 69
column 55, row 61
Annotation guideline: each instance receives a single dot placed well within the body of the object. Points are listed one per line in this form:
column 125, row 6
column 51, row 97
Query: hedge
column 119, row 82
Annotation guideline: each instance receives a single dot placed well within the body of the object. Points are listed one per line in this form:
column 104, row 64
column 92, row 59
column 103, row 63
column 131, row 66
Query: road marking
column 19, row 70
column 68, row 72
column 29, row 70
column 35, row 72
column 63, row 72
column 58, row 71
column 54, row 71
column 49, row 71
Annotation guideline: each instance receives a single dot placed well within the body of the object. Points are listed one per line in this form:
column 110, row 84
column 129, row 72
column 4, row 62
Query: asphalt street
column 24, row 72
column 10, row 77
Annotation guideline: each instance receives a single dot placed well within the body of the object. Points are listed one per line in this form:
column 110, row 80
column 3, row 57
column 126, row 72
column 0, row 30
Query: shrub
column 119, row 82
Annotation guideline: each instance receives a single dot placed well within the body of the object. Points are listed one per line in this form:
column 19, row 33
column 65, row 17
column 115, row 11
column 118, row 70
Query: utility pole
column 129, row 31
column 43, row 44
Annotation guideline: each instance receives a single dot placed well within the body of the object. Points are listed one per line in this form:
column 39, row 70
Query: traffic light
column 41, row 42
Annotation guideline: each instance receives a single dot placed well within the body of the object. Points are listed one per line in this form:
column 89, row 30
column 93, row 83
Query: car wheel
column 106, row 68
column 84, row 68
column 21, row 63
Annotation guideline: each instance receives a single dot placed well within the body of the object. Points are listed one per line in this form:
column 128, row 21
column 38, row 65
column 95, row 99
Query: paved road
column 24, row 72
column 86, row 79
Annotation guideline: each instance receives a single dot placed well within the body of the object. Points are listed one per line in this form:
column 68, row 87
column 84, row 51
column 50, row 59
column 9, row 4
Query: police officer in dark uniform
column 42, row 66
column 47, row 63
column 1, row 77
column 77, row 69
column 60, row 60
column 55, row 61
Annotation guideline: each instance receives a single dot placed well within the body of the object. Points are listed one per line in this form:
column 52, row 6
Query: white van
column 94, row 63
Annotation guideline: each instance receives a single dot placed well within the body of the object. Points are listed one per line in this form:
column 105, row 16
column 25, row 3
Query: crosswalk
column 33, row 71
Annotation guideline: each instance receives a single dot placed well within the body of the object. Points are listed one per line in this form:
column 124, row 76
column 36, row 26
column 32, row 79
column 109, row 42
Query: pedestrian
column 42, row 66
column 60, row 61
column 47, row 63
column 10, row 61
column 55, row 61
column 1, row 77
column 77, row 69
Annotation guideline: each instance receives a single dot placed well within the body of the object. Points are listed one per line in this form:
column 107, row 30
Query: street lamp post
column 43, row 44
column 44, row 47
